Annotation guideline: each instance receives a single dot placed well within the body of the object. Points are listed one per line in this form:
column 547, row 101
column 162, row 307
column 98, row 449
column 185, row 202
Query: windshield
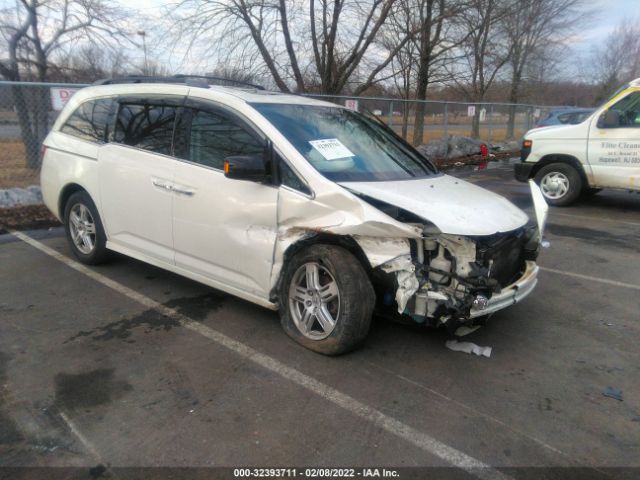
column 611, row 97
column 344, row 145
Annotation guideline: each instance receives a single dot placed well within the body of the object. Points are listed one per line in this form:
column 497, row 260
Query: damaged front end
column 433, row 277
column 452, row 279
column 456, row 280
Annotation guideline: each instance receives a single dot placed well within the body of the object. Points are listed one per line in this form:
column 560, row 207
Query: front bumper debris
column 511, row 294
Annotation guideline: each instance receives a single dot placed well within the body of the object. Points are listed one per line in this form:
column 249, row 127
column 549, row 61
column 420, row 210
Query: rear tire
column 83, row 226
column 326, row 300
column 560, row 183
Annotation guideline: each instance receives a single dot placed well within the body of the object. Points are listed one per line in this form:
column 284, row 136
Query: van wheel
column 560, row 183
column 326, row 300
column 84, row 229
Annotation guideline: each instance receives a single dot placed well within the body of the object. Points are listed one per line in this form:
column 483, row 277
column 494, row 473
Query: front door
column 614, row 146
column 224, row 229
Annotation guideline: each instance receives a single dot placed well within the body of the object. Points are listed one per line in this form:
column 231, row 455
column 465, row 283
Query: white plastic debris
column 407, row 282
column 468, row 347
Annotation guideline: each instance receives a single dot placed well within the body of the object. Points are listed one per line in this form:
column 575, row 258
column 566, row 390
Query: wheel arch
column 65, row 194
column 321, row 238
column 561, row 158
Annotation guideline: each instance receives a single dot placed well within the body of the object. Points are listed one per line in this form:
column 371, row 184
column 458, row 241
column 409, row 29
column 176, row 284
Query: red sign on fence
column 60, row 97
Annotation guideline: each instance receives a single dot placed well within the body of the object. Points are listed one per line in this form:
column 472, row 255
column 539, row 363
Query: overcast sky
column 609, row 14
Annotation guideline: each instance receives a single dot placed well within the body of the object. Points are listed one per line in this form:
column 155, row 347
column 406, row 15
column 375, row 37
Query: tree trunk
column 511, row 130
column 421, row 96
column 405, row 120
column 32, row 108
column 475, row 123
column 513, row 98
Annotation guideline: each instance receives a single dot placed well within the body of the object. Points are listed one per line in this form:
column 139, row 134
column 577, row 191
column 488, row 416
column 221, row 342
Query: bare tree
column 87, row 64
column 532, row 31
column 403, row 65
column 305, row 46
column 33, row 32
column 618, row 59
column 435, row 39
column 486, row 51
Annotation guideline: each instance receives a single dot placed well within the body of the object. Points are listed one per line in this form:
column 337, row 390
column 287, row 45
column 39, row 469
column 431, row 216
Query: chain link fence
column 489, row 122
column 28, row 110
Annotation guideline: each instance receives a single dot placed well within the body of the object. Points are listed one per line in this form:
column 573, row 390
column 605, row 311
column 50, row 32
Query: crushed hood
column 453, row 205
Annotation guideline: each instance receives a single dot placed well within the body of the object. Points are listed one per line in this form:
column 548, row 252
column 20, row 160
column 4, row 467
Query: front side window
column 628, row 109
column 215, row 136
column 146, row 126
column 90, row 120
column 344, row 145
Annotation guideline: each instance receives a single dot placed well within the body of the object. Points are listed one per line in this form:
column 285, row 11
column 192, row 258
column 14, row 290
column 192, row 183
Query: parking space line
column 592, row 279
column 599, row 219
column 78, row 434
column 390, row 424
column 468, row 408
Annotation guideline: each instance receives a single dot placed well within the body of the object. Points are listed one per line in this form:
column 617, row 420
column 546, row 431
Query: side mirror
column 609, row 119
column 246, row 167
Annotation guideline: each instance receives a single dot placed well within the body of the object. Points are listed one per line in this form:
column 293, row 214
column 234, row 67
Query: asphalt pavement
column 127, row 365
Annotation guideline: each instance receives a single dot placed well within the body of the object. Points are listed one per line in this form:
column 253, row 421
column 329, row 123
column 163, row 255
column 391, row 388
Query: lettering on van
column 621, row 153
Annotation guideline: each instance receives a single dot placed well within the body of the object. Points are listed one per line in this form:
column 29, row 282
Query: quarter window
column 90, row 120
column 146, row 126
column 215, row 136
column 289, row 178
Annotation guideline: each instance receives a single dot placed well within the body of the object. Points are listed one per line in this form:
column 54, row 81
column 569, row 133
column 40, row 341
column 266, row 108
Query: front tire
column 83, row 226
column 326, row 300
column 560, row 183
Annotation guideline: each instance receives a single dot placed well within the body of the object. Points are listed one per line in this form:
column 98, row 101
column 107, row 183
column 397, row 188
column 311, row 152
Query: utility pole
column 143, row 34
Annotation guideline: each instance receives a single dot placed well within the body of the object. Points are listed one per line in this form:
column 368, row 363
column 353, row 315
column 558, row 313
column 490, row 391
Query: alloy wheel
column 82, row 228
column 314, row 301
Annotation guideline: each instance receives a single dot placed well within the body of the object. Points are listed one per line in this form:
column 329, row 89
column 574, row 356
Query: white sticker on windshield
column 331, row 148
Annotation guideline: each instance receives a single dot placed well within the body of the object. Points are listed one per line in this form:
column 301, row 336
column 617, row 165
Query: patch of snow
column 16, row 197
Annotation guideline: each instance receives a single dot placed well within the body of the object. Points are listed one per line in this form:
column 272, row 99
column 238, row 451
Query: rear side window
column 146, row 126
column 90, row 120
column 215, row 136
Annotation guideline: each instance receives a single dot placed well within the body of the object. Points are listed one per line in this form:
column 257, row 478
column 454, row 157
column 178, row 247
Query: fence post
column 390, row 114
column 446, row 120
column 490, row 122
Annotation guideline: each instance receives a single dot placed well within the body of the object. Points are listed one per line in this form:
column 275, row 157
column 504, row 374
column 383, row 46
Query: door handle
column 188, row 193
column 182, row 190
column 161, row 184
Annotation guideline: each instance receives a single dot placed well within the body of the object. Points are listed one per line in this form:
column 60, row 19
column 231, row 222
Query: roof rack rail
column 191, row 80
column 222, row 79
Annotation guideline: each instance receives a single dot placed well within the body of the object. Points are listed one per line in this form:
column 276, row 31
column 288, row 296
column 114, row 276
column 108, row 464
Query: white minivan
column 602, row 151
column 295, row 204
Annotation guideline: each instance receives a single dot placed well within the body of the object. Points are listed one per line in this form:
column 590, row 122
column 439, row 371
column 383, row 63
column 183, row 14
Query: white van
column 602, row 151
column 289, row 202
